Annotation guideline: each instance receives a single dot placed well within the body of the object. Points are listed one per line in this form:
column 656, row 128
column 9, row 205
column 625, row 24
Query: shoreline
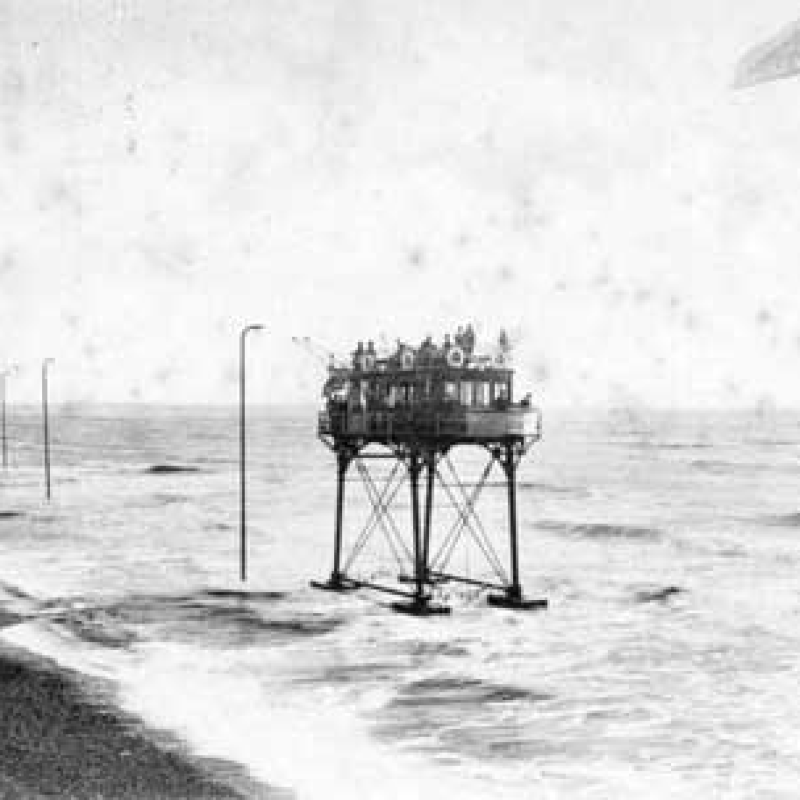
column 62, row 736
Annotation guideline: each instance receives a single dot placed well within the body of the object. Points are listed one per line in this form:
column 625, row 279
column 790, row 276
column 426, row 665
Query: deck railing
column 515, row 420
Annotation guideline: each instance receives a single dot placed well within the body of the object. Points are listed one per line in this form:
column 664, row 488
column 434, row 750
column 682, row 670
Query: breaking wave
column 600, row 530
column 552, row 488
column 791, row 520
column 219, row 617
column 657, row 595
column 460, row 717
column 721, row 467
column 170, row 469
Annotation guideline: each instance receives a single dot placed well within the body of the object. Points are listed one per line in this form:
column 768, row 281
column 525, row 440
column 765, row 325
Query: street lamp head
column 252, row 327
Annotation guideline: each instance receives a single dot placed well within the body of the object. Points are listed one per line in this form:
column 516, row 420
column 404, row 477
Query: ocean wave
column 791, row 520
column 169, row 499
column 426, row 650
column 215, row 617
column 170, row 469
column 95, row 627
column 351, row 673
column 460, row 717
column 451, row 691
column 9, row 618
column 664, row 445
column 600, row 530
column 219, row 616
column 552, row 488
column 14, row 591
column 721, row 467
column 766, row 442
column 657, row 595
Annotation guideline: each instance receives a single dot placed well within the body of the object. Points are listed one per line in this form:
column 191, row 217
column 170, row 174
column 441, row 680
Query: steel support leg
column 419, row 576
column 430, row 475
column 513, row 592
column 337, row 581
column 420, row 603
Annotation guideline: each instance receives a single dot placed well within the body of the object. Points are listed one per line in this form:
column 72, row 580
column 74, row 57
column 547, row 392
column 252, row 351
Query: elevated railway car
column 415, row 405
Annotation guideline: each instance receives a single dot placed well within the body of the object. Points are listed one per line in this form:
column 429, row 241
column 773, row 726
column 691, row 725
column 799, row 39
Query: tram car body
column 432, row 392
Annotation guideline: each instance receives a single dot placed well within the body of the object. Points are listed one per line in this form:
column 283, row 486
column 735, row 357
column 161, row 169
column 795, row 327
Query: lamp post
column 242, row 450
column 46, row 422
column 3, row 375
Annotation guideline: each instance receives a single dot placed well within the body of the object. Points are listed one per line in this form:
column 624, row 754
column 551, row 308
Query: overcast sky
column 581, row 173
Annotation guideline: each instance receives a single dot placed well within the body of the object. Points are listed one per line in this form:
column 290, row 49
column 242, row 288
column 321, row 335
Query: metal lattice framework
column 414, row 407
column 426, row 465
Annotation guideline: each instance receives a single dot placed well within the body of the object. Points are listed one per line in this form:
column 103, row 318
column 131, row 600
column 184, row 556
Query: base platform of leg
column 420, row 608
column 516, row 601
column 335, row 584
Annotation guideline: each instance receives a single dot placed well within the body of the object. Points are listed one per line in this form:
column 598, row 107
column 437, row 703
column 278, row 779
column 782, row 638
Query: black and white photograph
column 399, row 400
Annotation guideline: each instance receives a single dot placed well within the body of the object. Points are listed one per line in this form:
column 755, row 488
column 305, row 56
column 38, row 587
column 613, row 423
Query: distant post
column 242, row 452
column 46, row 422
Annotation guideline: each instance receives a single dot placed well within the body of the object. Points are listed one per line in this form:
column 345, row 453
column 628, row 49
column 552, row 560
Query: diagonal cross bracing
column 381, row 500
column 467, row 520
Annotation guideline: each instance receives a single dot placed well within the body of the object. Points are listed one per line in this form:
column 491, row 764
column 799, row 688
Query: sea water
column 666, row 665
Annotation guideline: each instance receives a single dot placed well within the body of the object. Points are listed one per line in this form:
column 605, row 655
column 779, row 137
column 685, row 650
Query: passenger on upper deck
column 469, row 340
column 357, row 354
column 503, row 342
column 427, row 351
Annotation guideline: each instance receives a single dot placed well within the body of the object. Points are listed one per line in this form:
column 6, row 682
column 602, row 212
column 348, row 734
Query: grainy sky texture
column 582, row 173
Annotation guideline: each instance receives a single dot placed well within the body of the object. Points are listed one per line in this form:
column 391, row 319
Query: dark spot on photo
column 8, row 262
column 164, row 374
column 541, row 372
column 505, row 273
column 72, row 321
column 416, row 258
column 764, row 317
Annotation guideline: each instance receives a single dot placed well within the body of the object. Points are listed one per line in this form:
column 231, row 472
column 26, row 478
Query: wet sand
column 59, row 737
